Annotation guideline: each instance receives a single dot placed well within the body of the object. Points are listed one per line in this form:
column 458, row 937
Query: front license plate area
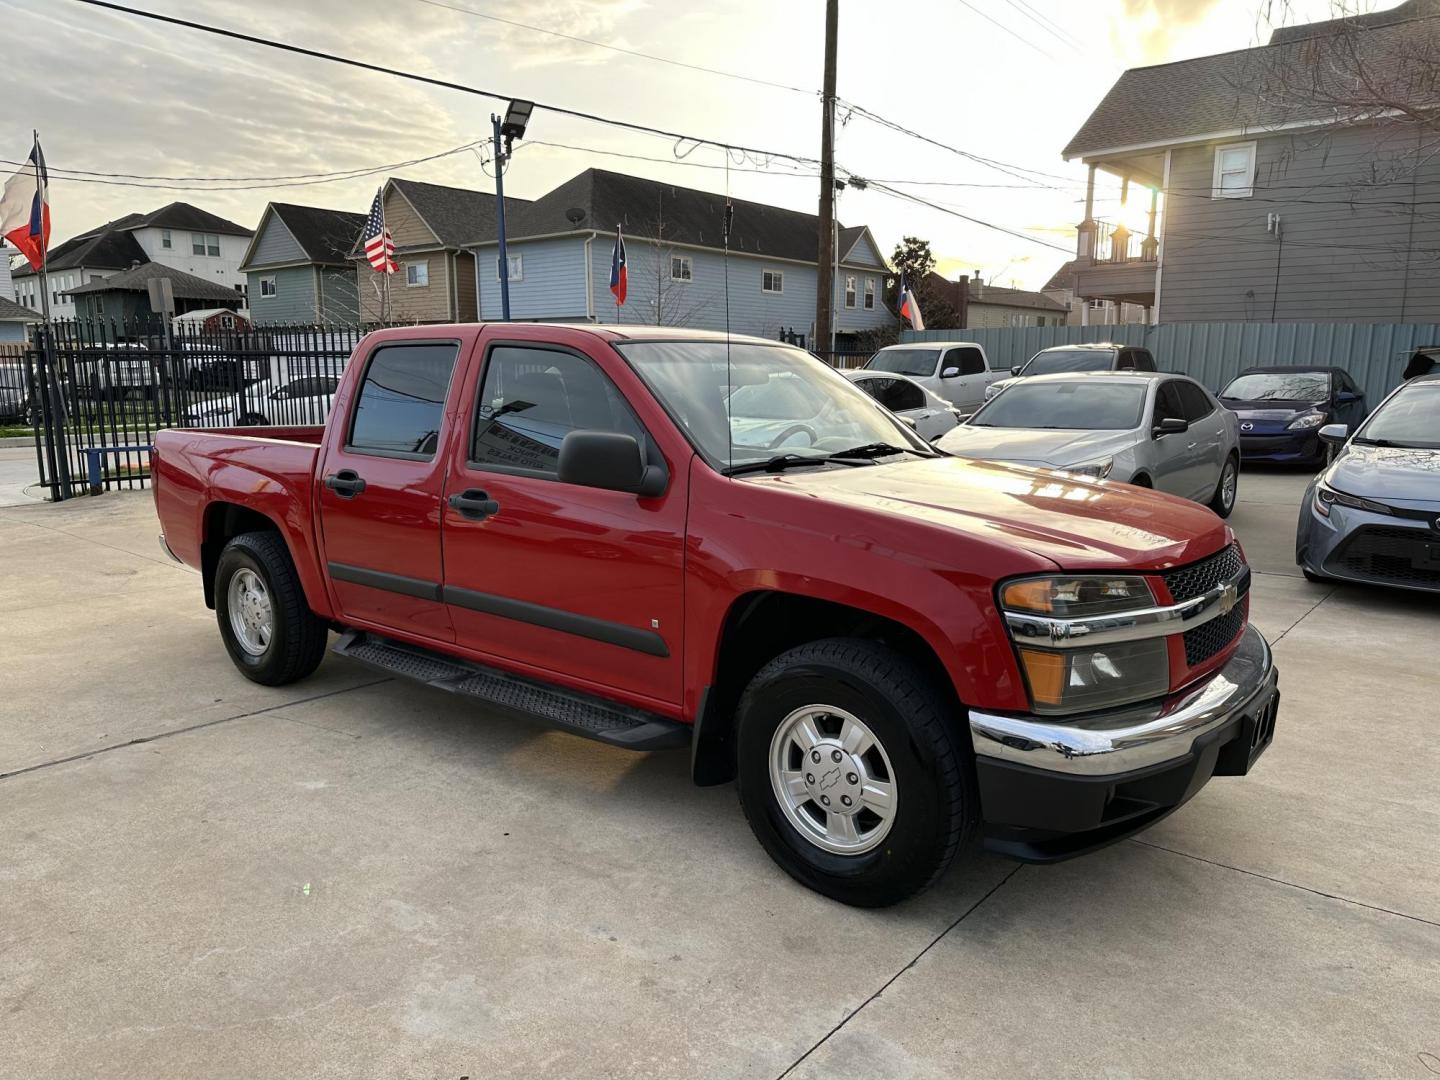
column 1428, row 557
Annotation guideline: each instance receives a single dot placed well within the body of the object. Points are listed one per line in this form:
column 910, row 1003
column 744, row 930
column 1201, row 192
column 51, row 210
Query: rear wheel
column 268, row 629
column 851, row 771
column 1228, row 486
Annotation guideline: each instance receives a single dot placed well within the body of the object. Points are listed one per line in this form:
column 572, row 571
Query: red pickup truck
column 662, row 538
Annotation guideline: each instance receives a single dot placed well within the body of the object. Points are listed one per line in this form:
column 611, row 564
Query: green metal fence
column 1375, row 354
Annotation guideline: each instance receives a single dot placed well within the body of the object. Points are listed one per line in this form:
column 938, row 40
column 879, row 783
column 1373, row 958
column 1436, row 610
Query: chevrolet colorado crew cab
column 648, row 537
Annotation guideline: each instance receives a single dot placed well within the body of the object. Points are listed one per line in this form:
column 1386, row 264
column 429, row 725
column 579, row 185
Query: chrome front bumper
column 1136, row 737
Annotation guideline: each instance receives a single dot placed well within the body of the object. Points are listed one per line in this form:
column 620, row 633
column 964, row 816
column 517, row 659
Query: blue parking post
column 92, row 469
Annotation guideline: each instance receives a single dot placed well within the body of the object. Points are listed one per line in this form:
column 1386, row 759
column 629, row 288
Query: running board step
column 569, row 710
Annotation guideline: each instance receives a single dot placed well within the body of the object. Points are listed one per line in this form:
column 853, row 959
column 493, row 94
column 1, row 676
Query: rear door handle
column 474, row 504
column 346, row 483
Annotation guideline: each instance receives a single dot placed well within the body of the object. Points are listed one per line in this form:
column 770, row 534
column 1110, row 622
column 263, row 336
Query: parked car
column 1282, row 410
column 1147, row 428
column 1374, row 514
column 886, row 647
column 303, row 401
column 955, row 371
column 931, row 414
column 14, row 395
column 114, row 371
column 1060, row 359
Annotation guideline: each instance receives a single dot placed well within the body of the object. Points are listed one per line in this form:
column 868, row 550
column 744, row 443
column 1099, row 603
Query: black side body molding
column 377, row 579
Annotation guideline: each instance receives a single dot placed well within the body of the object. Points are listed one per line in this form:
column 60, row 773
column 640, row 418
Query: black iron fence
column 98, row 391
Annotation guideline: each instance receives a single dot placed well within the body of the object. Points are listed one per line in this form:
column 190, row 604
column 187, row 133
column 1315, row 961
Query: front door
column 573, row 582
column 963, row 377
column 1176, row 465
column 381, row 484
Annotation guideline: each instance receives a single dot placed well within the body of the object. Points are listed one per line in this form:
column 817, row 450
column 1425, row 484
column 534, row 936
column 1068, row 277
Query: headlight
column 1326, row 497
column 1097, row 469
column 1072, row 680
column 1306, row 421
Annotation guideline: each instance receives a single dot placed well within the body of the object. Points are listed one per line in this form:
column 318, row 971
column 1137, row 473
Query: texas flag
column 25, row 209
column 910, row 307
column 619, row 276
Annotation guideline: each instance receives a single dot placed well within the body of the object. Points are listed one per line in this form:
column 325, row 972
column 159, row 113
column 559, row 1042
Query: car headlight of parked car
column 1326, row 497
column 1306, row 421
column 1049, row 619
column 1098, row 470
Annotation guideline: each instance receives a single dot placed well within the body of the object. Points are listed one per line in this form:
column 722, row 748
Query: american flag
column 379, row 244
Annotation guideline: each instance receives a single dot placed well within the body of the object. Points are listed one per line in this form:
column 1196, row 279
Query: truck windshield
column 749, row 403
column 1082, row 406
column 1052, row 361
column 910, row 362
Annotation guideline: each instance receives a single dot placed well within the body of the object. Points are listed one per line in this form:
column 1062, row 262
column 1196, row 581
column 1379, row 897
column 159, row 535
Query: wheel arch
column 223, row 521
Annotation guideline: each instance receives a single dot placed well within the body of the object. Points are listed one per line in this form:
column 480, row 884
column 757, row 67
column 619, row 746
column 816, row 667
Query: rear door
column 578, row 583
column 380, row 487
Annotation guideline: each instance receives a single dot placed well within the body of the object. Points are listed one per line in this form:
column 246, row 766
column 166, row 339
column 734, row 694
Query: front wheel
column 1223, row 501
column 270, row 632
column 852, row 772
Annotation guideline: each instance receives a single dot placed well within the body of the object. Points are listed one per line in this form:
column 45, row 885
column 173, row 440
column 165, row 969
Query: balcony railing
column 1117, row 244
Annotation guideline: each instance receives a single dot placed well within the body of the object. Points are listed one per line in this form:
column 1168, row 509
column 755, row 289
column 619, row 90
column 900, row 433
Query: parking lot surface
column 355, row 877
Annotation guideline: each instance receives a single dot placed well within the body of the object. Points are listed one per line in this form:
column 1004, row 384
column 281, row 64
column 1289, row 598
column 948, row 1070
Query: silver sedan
column 931, row 414
column 1152, row 429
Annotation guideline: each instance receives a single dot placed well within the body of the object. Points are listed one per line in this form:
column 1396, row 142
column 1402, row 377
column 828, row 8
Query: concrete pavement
column 354, row 877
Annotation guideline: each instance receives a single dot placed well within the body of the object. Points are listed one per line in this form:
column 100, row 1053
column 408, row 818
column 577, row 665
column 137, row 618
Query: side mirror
column 609, row 460
column 1016, row 369
column 949, row 372
column 1344, row 397
column 1171, row 425
column 1334, row 434
column 908, row 421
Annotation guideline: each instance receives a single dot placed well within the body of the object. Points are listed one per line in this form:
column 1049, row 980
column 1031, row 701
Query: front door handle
column 346, row 483
column 474, row 504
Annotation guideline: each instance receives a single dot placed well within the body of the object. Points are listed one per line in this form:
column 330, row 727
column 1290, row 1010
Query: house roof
column 201, row 314
column 1064, row 278
column 12, row 312
column 656, row 210
column 998, row 296
column 112, row 247
column 1217, row 96
column 325, row 236
column 177, row 215
column 137, row 279
column 457, row 216
column 1411, row 9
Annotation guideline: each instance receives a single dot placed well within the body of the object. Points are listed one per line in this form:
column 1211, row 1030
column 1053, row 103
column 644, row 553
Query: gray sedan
column 1373, row 514
column 1148, row 428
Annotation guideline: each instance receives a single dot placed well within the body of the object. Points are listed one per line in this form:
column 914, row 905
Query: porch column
column 1120, row 237
column 1150, row 249
column 1085, row 231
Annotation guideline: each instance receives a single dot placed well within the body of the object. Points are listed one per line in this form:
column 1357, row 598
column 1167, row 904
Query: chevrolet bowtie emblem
column 1229, row 597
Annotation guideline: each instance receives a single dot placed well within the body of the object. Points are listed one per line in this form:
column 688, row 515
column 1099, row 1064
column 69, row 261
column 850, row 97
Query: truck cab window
column 969, row 361
column 402, row 399
column 532, row 398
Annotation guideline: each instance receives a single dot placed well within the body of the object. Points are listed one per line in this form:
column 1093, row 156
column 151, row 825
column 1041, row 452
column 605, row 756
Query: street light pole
column 500, row 158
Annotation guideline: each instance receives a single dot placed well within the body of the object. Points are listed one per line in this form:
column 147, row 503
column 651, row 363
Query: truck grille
column 1205, row 641
column 1197, row 578
column 1392, row 554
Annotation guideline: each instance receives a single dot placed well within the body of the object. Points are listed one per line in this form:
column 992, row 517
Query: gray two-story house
column 299, row 268
column 1268, row 190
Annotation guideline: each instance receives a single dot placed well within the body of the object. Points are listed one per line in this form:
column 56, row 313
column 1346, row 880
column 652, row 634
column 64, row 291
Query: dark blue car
column 1282, row 409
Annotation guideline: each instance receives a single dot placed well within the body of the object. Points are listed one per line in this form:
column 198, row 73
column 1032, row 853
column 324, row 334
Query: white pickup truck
column 959, row 371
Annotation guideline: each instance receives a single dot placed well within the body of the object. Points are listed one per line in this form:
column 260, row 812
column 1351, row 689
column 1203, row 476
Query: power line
column 1045, row 23
column 1018, row 37
column 616, row 48
column 897, row 193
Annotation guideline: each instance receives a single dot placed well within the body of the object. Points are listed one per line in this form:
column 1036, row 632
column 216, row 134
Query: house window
column 1235, row 171
column 772, row 281
column 417, row 274
column 1040, row 320
column 243, row 289
column 681, row 268
column 850, row 290
column 267, row 286
column 517, row 267
column 165, row 239
column 205, row 244
column 869, row 292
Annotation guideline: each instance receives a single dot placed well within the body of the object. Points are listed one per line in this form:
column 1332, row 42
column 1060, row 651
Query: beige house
column 431, row 226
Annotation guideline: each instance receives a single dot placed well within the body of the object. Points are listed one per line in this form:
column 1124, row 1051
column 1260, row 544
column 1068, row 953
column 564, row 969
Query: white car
column 304, row 401
column 931, row 415
column 1152, row 429
column 957, row 371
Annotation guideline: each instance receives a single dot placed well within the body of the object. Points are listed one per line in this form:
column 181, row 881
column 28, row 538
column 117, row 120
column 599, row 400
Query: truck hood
column 1075, row 523
column 1032, row 445
column 1387, row 473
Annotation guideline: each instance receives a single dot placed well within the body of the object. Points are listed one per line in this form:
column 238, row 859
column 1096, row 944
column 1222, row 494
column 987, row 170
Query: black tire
column 937, row 804
column 298, row 639
column 1217, row 500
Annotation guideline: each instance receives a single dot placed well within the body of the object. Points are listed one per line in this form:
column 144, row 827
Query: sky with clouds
column 115, row 94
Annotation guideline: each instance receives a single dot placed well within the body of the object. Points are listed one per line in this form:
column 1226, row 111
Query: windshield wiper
column 873, row 450
column 778, row 463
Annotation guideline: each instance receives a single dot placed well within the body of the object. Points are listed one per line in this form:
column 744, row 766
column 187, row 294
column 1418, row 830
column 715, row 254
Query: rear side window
column 1126, row 361
column 1194, row 400
column 532, row 398
column 402, row 399
column 969, row 361
column 895, row 394
column 1143, row 360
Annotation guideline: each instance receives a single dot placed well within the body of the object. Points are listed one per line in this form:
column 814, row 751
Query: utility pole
column 501, row 156
column 825, row 261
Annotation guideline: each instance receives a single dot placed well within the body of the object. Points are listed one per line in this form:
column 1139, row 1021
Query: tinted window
column 403, row 398
column 969, row 361
column 1143, row 360
column 905, row 361
column 1295, row 385
column 1126, row 362
column 1056, row 360
column 1168, row 405
column 1086, row 406
column 1194, row 400
column 532, row 398
column 315, row 386
column 895, row 394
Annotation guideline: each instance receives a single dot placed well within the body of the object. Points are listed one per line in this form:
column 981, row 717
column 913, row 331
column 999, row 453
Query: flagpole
column 384, row 232
column 44, row 247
